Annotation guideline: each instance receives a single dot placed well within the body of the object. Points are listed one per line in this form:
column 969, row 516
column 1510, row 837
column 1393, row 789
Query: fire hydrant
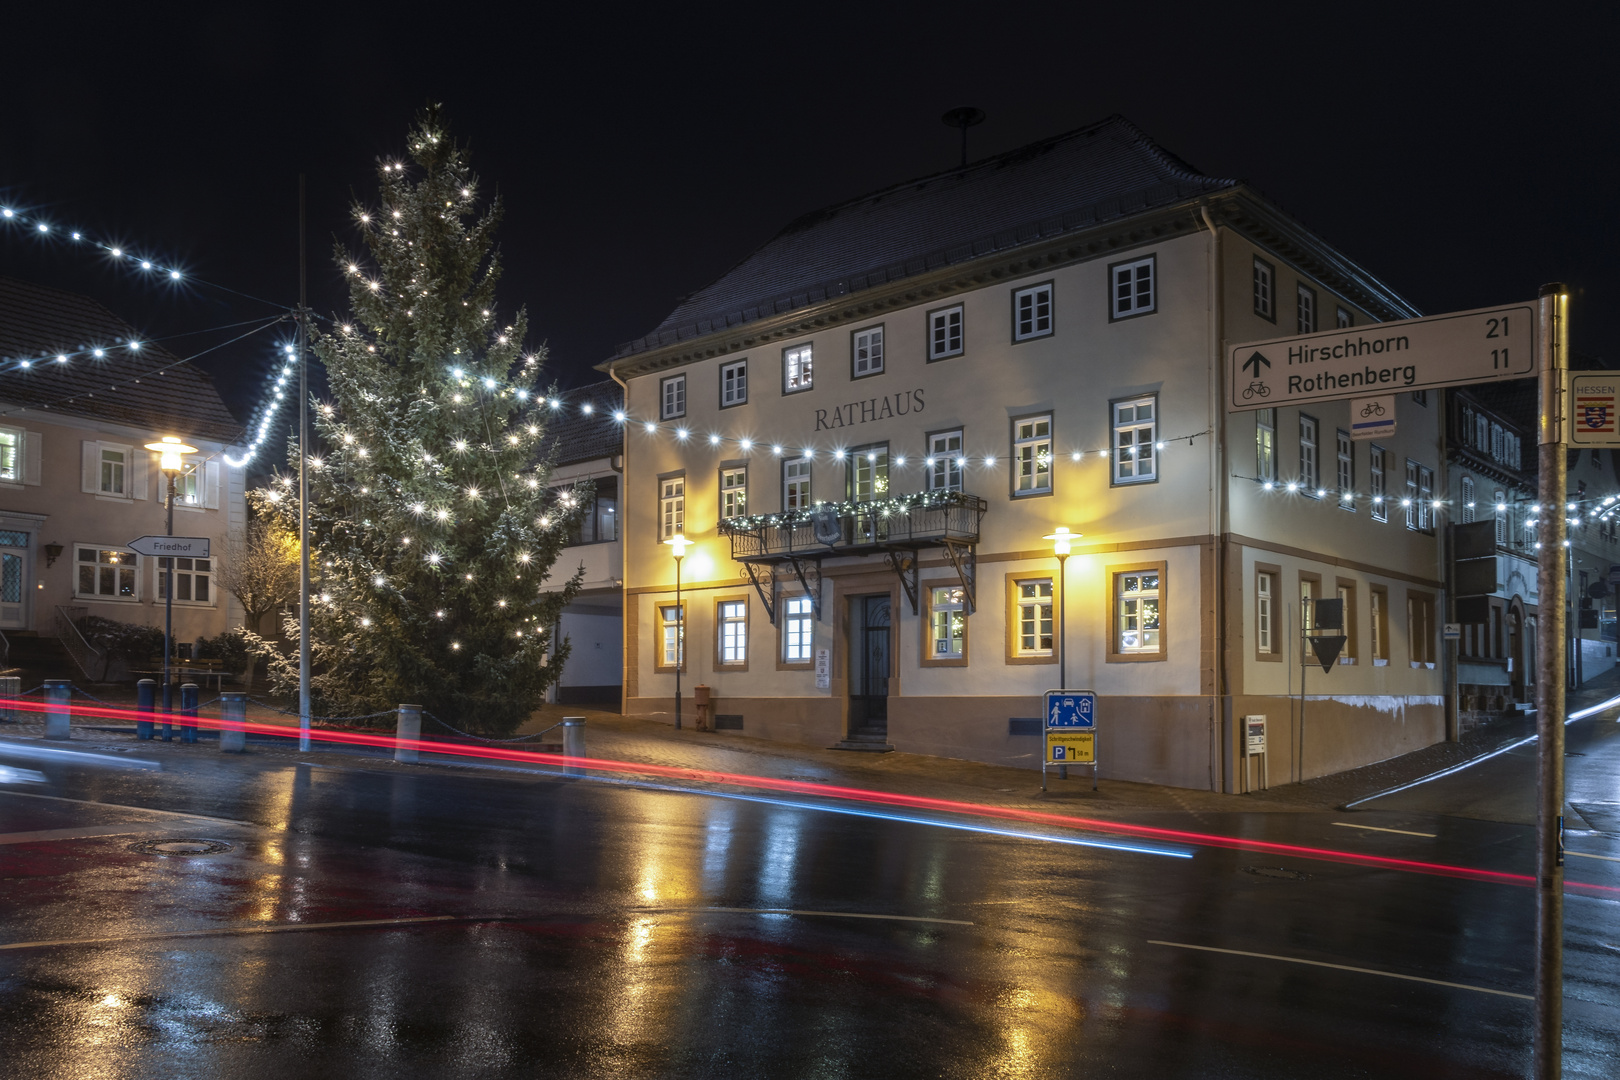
column 700, row 698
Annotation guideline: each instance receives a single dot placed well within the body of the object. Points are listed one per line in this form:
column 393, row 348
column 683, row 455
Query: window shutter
column 137, row 472
column 211, row 485
column 91, row 467
column 33, row 449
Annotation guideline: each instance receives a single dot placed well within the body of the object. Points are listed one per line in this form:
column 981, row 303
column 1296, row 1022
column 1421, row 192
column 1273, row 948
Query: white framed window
column 734, row 384
column 105, row 573
column 193, row 580
column 1265, row 584
column 112, row 470
column 733, row 492
column 1136, row 426
column 1305, row 309
column 1378, row 482
column 114, row 464
column 1503, row 525
column 945, row 461
column 672, row 644
column 12, row 442
column 1032, row 455
column 1032, row 612
column 798, row 629
column 1426, row 507
column 869, row 473
column 866, row 352
column 1346, row 473
column 672, row 397
column 1467, row 509
column 188, row 486
column 1032, row 312
column 732, row 616
column 1265, row 290
column 1344, row 319
column 1409, row 502
column 1310, row 469
column 671, row 506
column 796, row 484
column 1132, row 288
column 947, row 623
column 1136, row 620
column 1265, row 445
column 945, row 332
column 798, row 368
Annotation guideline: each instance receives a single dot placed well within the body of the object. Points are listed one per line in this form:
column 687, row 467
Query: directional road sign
column 1594, row 408
column 1071, row 709
column 180, row 547
column 1067, row 746
column 1384, row 358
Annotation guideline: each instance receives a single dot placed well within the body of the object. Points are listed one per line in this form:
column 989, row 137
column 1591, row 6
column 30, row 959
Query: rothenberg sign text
column 877, row 408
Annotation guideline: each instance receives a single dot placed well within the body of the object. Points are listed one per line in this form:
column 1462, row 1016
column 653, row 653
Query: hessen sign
column 1486, row 345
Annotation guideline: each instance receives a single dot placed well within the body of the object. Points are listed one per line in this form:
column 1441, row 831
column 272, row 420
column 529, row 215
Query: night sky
column 1465, row 156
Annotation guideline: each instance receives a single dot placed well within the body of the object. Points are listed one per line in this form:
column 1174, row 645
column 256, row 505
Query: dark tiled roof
column 36, row 321
column 1074, row 181
column 580, row 436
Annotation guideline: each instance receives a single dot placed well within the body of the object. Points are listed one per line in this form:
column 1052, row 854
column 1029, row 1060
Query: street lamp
column 680, row 543
column 1060, row 548
column 170, row 449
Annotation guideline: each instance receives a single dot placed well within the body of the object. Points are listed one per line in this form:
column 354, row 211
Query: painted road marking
column 1586, row 855
column 226, row 931
column 76, row 834
column 1345, row 967
column 137, row 809
column 824, row 914
column 1375, row 828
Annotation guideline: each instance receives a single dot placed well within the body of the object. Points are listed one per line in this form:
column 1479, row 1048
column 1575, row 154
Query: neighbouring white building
column 870, row 425
column 77, row 485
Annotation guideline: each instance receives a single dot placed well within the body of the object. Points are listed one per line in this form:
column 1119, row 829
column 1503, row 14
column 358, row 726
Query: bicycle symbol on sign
column 1256, row 387
column 1372, row 408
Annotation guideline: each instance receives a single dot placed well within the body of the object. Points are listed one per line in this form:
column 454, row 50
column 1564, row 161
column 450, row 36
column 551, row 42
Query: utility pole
column 1552, row 347
column 303, row 482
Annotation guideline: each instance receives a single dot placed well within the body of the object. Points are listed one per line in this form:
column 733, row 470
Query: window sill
column 1347, row 660
column 1136, row 657
column 108, row 599
column 1380, row 663
column 104, row 497
column 1032, row 658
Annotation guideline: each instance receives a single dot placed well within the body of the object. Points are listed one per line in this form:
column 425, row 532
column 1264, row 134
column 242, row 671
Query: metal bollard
column 58, row 713
column 10, row 691
column 188, row 712
column 408, row 733
column 233, row 718
column 573, row 742
column 145, row 700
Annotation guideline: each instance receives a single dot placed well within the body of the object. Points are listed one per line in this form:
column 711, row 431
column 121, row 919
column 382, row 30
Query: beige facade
column 66, row 494
column 1196, row 529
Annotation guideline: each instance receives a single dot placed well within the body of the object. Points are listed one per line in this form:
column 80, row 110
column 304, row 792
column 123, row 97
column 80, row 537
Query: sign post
column 1070, row 735
column 1552, row 348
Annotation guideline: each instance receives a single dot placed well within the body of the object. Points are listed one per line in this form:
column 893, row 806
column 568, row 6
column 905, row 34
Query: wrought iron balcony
column 896, row 528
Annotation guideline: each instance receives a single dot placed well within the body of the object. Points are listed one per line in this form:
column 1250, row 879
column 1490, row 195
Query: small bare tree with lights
column 432, row 524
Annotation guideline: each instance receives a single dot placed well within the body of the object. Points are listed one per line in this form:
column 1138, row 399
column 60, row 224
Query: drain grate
column 179, row 847
column 1278, row 872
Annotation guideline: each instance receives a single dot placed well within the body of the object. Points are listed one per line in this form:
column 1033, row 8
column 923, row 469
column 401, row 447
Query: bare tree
column 262, row 570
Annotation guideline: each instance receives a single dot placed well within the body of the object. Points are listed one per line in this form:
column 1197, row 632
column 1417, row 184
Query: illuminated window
column 733, row 492
column 1265, row 444
column 947, row 623
column 1136, row 612
column 1032, row 312
column 105, row 574
column 1032, row 456
column 869, row 473
column 798, row 629
column 11, row 452
column 798, row 371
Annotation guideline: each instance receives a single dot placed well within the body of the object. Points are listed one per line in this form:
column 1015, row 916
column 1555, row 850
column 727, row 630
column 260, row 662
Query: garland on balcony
column 882, row 508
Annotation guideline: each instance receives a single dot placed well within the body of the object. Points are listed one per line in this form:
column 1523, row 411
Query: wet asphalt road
column 583, row 928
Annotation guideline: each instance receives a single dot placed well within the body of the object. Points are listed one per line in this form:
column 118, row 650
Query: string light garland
column 276, row 395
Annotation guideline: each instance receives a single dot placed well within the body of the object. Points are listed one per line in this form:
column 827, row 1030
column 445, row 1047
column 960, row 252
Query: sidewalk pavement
column 631, row 739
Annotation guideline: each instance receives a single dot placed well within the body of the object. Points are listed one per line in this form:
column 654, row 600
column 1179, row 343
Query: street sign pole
column 1552, row 347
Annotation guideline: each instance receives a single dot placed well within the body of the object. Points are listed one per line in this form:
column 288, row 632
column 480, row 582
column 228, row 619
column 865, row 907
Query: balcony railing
column 925, row 519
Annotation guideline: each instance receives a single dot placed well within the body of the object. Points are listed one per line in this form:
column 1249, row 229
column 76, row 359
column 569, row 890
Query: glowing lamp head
column 171, row 450
column 1061, row 539
column 680, row 543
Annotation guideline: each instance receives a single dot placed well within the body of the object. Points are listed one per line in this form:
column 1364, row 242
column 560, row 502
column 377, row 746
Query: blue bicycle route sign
column 1071, row 709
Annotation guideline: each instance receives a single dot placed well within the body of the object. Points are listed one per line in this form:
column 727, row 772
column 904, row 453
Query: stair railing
column 85, row 655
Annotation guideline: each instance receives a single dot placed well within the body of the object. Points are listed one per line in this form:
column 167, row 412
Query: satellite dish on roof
column 965, row 117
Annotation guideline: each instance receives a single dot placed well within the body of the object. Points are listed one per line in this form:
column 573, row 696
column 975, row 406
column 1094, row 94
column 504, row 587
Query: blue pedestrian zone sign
column 1071, row 709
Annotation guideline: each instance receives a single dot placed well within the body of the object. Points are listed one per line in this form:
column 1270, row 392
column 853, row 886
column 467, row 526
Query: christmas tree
column 431, row 522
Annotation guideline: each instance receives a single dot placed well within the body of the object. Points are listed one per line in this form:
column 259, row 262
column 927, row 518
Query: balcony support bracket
column 808, row 571
column 965, row 560
column 763, row 578
column 904, row 565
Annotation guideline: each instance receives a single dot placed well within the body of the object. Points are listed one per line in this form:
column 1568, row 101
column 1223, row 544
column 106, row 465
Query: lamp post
column 680, row 543
column 1060, row 547
column 169, row 448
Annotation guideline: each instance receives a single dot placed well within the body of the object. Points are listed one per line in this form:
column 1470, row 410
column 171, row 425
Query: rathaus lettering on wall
column 878, row 408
